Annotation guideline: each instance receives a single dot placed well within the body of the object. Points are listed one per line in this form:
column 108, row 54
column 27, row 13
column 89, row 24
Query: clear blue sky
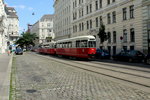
column 25, row 8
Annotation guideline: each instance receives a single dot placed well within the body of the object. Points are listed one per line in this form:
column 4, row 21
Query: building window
column 114, row 37
column 100, row 3
column 96, row 5
column 114, row 17
column 108, row 2
column 82, row 1
column 131, row 47
column 48, row 25
column 125, row 36
column 79, row 1
column 42, row 30
column 101, row 20
column 132, row 11
column 125, row 48
column 82, row 26
column 75, row 28
column 87, row 9
column 75, row 3
column 113, row 0
column 74, row 15
column 108, row 18
column 90, row 8
column 132, row 35
column 79, row 13
column 109, row 37
column 109, row 49
column 90, row 23
column 49, row 30
column 82, row 12
column 96, row 20
column 124, row 13
column 114, row 50
column 87, row 24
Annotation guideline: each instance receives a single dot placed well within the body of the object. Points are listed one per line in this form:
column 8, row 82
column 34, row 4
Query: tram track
column 124, row 76
column 123, row 67
column 115, row 70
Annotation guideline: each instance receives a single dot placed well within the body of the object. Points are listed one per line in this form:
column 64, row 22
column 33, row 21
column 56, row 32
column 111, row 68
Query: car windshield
column 18, row 49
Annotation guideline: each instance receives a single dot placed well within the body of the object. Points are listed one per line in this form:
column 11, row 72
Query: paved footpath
column 5, row 70
column 38, row 78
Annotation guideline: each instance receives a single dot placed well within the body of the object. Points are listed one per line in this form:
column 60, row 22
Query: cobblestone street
column 38, row 78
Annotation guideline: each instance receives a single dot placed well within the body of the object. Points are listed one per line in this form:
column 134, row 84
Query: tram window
column 69, row 44
column 57, row 45
column 77, row 43
column 60, row 45
column 92, row 43
column 83, row 43
column 40, row 46
column 53, row 46
column 65, row 45
column 46, row 46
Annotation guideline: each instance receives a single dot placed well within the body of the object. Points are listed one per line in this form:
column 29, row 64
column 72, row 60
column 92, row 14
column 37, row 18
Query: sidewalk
column 5, row 71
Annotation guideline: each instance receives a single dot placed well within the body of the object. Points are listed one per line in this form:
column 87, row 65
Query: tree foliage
column 26, row 39
column 102, row 34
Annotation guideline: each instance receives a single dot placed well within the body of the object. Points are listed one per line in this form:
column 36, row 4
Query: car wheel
column 148, row 61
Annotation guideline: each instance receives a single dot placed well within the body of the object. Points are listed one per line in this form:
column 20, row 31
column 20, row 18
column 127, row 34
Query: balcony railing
column 14, row 35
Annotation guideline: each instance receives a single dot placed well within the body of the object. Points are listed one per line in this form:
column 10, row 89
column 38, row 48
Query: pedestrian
column 8, row 52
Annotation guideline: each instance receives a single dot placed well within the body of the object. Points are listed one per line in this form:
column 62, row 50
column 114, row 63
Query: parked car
column 129, row 55
column 19, row 51
column 102, row 54
column 147, row 59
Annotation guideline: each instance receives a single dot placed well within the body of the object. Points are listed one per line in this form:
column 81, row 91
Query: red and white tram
column 80, row 47
column 47, row 48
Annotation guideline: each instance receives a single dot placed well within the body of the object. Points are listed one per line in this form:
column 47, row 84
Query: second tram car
column 80, row 47
column 47, row 48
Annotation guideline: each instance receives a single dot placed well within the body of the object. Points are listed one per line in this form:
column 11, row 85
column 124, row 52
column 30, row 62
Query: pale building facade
column 146, row 25
column 62, row 23
column 13, row 25
column 122, row 20
column 44, row 29
column 3, row 28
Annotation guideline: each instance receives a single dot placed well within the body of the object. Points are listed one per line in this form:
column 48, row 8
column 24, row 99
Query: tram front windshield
column 92, row 44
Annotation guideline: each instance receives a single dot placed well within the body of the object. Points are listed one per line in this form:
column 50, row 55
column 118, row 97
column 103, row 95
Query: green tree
column 26, row 40
column 102, row 34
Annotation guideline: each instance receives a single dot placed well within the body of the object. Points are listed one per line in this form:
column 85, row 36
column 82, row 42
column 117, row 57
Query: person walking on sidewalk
column 8, row 52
